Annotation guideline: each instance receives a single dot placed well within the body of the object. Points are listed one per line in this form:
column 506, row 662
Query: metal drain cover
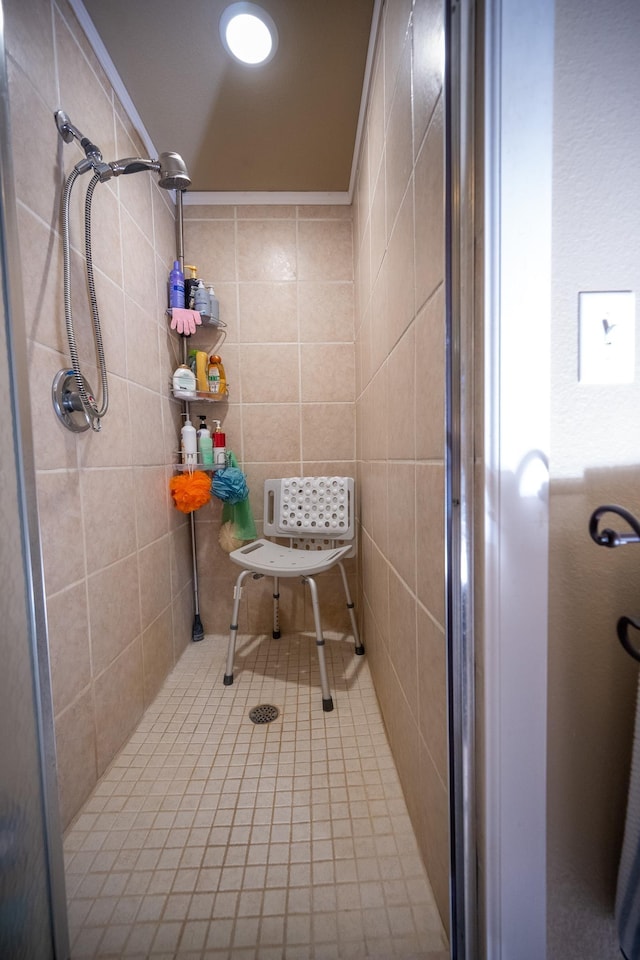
column 264, row 713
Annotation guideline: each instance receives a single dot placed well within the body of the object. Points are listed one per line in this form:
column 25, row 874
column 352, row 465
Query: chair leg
column 351, row 609
column 233, row 629
column 276, row 609
column 327, row 701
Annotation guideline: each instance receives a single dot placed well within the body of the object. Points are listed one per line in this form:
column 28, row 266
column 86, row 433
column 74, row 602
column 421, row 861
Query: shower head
column 170, row 166
column 173, row 172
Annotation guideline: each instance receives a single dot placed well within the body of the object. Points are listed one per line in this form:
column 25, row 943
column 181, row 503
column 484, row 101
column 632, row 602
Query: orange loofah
column 190, row 491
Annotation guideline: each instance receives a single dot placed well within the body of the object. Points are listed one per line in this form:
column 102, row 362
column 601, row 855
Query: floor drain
column 265, row 713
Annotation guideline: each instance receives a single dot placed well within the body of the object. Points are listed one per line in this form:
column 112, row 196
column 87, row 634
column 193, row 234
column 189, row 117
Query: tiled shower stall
column 334, row 350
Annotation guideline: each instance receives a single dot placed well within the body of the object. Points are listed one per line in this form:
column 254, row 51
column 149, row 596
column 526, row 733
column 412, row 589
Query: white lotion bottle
column 189, row 444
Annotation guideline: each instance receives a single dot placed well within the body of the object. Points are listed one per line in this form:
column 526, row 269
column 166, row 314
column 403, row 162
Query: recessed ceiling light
column 248, row 33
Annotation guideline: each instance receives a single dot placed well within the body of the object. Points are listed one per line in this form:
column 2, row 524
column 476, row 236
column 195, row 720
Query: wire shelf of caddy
column 195, row 396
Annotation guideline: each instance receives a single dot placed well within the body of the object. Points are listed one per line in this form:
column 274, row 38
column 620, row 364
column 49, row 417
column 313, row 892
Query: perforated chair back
column 315, row 513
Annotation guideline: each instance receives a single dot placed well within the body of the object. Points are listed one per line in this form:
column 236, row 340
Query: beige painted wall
column 116, row 556
column 595, row 458
column 400, row 315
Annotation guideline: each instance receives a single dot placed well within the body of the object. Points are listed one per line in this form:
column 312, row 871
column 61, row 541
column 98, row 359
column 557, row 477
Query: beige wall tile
column 44, row 313
column 401, row 404
column 428, row 63
column 75, row 755
column 68, row 627
column 430, row 533
column 327, row 372
column 430, row 378
column 267, row 250
column 33, row 154
column 325, row 311
column 403, row 520
column 270, row 373
column 119, row 701
column 401, row 272
column 399, row 142
column 395, row 27
column 209, row 211
column 432, row 681
column 378, row 222
column 107, row 498
column 60, row 525
column 325, row 250
column 113, row 626
column 110, row 246
column 429, row 210
column 328, row 429
column 155, row 580
column 113, row 322
column 375, row 125
column 433, row 827
column 54, row 446
column 152, row 503
column 147, row 446
column 112, row 445
column 157, row 654
column 268, row 313
column 274, row 211
column 29, row 38
column 271, row 432
column 402, row 639
column 142, row 346
column 210, row 245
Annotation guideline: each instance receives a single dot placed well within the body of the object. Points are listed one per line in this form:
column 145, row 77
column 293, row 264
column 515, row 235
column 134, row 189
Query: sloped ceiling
column 289, row 125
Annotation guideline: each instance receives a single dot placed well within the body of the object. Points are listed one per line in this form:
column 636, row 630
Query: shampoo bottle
column 176, row 286
column 205, row 444
column 189, row 444
column 201, row 301
column 190, row 284
column 216, row 375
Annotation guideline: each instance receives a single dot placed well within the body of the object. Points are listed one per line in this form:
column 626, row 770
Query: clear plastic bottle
column 216, row 375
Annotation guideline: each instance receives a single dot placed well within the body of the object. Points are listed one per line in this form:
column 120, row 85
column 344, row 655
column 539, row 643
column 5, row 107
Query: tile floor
column 213, row 837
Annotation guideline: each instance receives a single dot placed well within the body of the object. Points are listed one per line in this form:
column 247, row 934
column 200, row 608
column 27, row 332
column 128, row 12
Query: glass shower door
column 32, row 899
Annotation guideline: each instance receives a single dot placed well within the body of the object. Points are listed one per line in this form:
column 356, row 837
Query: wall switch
column 607, row 336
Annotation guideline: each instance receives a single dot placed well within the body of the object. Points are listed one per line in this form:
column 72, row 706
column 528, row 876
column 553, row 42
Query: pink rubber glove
column 185, row 321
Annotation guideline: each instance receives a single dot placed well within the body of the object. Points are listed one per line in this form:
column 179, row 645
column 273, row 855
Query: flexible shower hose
column 89, row 403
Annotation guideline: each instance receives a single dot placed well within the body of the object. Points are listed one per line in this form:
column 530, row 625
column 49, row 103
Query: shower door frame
column 31, row 579
column 499, row 101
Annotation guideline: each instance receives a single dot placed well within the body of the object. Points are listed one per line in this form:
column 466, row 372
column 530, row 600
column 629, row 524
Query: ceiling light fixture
column 248, row 33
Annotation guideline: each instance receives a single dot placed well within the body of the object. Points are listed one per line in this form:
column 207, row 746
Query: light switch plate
column 607, row 336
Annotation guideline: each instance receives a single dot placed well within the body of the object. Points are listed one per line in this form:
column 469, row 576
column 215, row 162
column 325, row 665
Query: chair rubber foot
column 228, row 679
column 276, row 634
column 360, row 651
column 327, row 705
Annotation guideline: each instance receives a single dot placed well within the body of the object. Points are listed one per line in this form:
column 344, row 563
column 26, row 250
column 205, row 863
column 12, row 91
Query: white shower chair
column 317, row 516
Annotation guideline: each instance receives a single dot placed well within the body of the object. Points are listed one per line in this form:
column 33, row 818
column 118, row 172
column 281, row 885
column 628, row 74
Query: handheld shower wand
column 73, row 401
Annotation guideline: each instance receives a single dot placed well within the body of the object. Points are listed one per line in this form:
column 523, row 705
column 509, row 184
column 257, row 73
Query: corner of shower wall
column 116, row 555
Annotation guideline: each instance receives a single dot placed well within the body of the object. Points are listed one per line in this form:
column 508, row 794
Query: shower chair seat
column 316, row 515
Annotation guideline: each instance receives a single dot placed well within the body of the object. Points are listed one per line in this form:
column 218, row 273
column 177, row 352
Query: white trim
column 218, row 198
column 113, row 76
column 518, row 177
